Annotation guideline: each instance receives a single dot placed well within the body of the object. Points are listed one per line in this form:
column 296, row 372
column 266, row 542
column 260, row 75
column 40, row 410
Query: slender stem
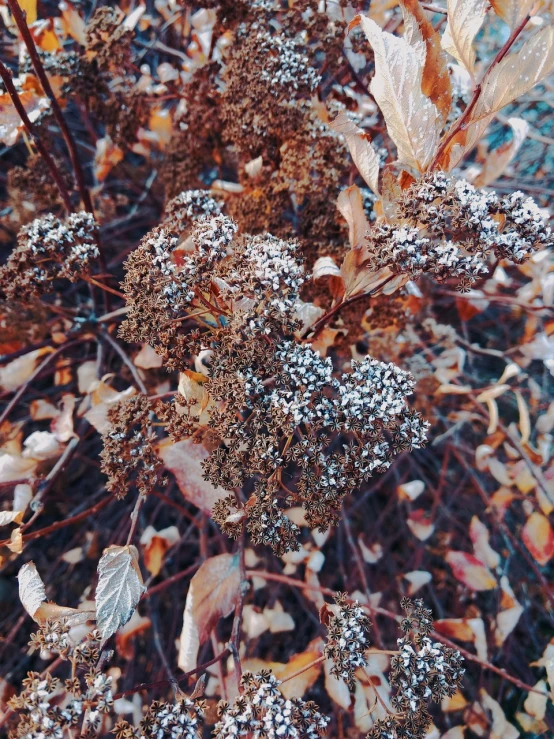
column 19, row 18
column 126, row 360
column 33, row 132
column 377, row 695
column 309, row 666
column 135, row 516
column 234, row 642
column 182, row 678
column 461, row 122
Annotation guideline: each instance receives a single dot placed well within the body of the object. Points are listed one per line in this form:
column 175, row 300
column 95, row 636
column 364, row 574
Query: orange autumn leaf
column 538, row 537
column 470, row 571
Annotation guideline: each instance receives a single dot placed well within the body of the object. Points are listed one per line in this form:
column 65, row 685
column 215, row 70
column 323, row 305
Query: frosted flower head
column 347, row 639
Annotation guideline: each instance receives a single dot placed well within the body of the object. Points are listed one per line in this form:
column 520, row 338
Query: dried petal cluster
column 163, row 720
column 129, row 455
column 262, row 711
column 448, row 228
column 347, row 639
column 49, row 249
column 422, row 671
column 279, row 411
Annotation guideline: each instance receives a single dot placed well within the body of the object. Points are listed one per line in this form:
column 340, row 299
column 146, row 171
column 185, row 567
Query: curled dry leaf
column 362, row 152
column 11, row 124
column 184, row 459
column 351, row 207
column 470, row 571
column 465, row 18
column 155, row 544
column 119, row 588
column 31, row 588
column 496, row 161
column 213, row 593
column 413, row 122
column 538, row 537
column 17, row 372
column 479, row 535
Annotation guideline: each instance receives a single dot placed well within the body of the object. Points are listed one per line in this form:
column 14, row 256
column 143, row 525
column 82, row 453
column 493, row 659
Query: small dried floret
column 188, row 207
column 347, row 639
column 262, row 710
column 48, row 249
column 129, row 454
column 451, row 228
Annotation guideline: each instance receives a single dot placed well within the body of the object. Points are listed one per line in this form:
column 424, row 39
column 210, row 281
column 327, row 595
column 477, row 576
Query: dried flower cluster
column 279, row 410
column 449, row 228
column 262, row 710
column 129, row 455
column 49, row 249
column 163, row 720
column 263, row 208
column 424, row 670
column 347, row 639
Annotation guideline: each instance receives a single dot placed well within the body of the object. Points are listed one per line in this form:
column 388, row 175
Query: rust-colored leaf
column 470, row 571
column 435, row 80
column 538, row 537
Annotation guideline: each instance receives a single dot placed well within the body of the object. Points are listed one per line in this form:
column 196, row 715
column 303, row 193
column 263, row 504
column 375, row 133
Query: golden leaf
column 30, row 9
column 435, row 81
column 361, row 150
column 351, row 207
column 538, row 537
column 470, row 571
column 512, row 12
column 413, row 122
column 465, row 18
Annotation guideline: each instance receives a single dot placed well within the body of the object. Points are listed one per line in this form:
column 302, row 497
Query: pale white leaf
column 535, row 703
column 465, row 18
column 413, row 122
column 7, row 517
column 31, row 588
column 361, row 150
column 119, row 588
column 336, row 688
column 323, row 267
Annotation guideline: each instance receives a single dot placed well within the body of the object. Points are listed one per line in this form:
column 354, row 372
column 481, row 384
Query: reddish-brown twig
column 33, row 133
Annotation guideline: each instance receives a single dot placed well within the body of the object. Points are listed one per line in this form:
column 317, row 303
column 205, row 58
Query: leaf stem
column 33, row 132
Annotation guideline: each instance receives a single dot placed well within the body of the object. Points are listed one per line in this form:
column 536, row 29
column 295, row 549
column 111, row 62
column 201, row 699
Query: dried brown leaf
column 515, row 75
column 512, row 12
column 213, row 594
column 361, row 150
column 435, row 81
column 31, row 588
